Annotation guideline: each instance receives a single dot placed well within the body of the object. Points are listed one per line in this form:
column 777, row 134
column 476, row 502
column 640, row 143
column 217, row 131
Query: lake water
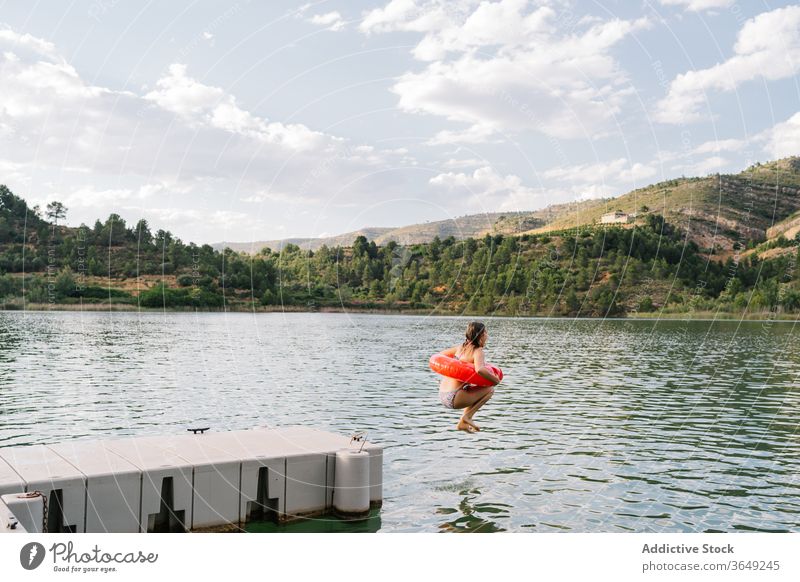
column 600, row 425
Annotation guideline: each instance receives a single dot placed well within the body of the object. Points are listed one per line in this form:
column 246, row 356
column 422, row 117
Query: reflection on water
column 474, row 516
column 323, row 524
column 599, row 425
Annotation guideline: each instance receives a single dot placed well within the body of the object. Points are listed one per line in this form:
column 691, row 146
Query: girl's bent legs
column 471, row 401
column 470, row 411
column 467, row 398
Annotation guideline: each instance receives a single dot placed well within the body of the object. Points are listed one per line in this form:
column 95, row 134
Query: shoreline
column 653, row 316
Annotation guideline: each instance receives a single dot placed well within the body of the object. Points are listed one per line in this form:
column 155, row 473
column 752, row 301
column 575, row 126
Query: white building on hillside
column 616, row 217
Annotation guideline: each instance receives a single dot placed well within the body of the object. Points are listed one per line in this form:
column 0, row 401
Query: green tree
column 142, row 233
column 571, row 302
column 376, row 290
column 65, row 283
column 55, row 211
column 114, row 231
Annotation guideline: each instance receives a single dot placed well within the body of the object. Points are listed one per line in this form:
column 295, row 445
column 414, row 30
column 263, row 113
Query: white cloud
column 594, row 191
column 722, row 145
column 402, row 15
column 30, row 87
column 709, row 165
column 90, row 197
column 456, row 163
column 211, row 106
column 503, row 67
column 51, row 117
column 487, row 191
column 504, row 24
column 254, row 199
column 780, row 140
column 182, row 95
column 13, row 173
column 617, row 170
column 637, row 173
column 228, row 219
column 18, row 42
column 602, row 179
column 192, row 136
column 330, row 20
column 767, row 46
column 698, row 5
column 263, row 197
column 783, row 139
column 477, row 133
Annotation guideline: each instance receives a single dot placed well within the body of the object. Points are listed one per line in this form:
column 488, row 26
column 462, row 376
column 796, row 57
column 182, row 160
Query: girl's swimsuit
column 448, row 397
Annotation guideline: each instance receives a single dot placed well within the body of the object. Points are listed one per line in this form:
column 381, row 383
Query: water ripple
column 599, row 425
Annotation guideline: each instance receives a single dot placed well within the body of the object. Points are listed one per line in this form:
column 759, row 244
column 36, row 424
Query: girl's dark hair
column 474, row 332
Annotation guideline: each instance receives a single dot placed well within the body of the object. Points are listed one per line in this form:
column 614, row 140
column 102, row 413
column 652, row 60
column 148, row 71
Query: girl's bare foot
column 465, row 426
column 470, row 422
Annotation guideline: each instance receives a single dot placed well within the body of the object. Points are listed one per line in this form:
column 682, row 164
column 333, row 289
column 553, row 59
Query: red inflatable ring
column 461, row 371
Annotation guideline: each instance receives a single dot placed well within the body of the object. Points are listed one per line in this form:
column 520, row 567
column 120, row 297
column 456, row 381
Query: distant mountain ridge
column 718, row 211
column 460, row 228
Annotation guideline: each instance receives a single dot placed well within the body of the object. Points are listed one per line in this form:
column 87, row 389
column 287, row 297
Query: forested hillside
column 592, row 271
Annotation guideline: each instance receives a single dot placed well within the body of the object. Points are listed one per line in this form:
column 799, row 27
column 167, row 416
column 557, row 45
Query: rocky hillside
column 718, row 211
column 789, row 228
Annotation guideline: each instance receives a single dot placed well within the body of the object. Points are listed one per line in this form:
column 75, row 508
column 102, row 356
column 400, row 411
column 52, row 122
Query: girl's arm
column 482, row 370
column 450, row 351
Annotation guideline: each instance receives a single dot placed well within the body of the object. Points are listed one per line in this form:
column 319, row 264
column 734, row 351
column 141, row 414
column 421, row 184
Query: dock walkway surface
column 189, row 482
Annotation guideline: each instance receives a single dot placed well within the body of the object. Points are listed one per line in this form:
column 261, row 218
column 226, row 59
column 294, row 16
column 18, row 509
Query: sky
column 243, row 121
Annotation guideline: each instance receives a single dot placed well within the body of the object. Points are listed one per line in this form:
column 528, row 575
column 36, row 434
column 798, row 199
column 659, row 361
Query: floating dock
column 190, row 482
